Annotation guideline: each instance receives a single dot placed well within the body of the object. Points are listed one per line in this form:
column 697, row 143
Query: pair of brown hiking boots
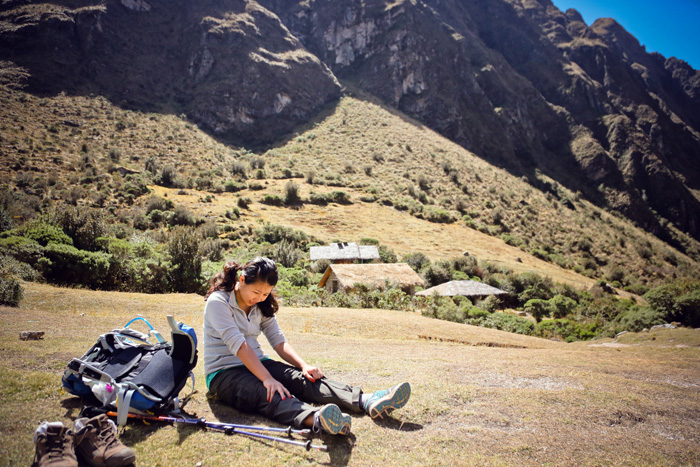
column 93, row 441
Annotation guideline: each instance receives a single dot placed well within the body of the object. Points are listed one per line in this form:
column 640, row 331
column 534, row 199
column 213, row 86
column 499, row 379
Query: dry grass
column 535, row 403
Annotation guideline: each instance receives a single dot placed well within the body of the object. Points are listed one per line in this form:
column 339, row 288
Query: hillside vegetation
column 479, row 396
column 84, row 151
column 113, row 199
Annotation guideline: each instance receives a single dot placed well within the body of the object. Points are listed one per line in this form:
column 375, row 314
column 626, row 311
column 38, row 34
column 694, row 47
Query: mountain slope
column 526, row 86
column 232, row 67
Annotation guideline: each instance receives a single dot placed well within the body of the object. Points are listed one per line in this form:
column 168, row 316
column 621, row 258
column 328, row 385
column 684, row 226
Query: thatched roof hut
column 344, row 252
column 346, row 276
column 471, row 289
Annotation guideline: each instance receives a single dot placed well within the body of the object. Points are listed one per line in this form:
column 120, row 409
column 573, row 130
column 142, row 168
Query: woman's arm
column 251, row 361
column 287, row 352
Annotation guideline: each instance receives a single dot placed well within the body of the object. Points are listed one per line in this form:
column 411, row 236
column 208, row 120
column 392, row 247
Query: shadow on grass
column 339, row 448
column 138, row 431
column 397, row 425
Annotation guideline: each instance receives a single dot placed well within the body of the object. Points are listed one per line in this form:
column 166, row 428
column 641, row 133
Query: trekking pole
column 231, row 429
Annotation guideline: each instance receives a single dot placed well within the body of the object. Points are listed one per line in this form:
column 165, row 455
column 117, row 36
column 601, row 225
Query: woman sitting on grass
column 240, row 305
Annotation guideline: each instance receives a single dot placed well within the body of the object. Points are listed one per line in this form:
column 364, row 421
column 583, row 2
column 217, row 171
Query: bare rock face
column 230, row 66
column 526, row 86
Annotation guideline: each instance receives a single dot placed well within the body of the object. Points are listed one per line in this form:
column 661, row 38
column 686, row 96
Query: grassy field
column 480, row 396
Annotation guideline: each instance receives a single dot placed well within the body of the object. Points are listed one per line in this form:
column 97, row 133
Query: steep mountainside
column 526, row 86
column 231, row 66
column 517, row 82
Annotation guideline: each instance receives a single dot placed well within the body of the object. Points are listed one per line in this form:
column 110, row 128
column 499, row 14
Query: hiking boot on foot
column 384, row 402
column 332, row 420
column 97, row 443
column 54, row 446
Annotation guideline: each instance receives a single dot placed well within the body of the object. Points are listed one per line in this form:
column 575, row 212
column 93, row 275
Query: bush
column 291, row 193
column 272, row 200
column 157, row 203
column 238, row 168
column 181, row 216
column 167, row 175
column 11, row 291
column 231, row 187
column 22, row 249
column 82, row 224
column 509, row 323
column 561, row 305
column 44, row 233
column 340, row 197
column 287, row 254
column 538, row 308
column 297, row 277
column 387, row 255
column 320, row 199
column 678, row 301
column 6, row 221
column 639, row 318
column 417, row 261
column 438, row 215
column 183, row 248
column 65, row 264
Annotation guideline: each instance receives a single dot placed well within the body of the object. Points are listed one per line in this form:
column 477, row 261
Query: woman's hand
column 273, row 386
column 312, row 373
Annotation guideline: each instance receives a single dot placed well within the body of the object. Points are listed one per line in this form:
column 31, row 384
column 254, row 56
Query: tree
column 538, row 308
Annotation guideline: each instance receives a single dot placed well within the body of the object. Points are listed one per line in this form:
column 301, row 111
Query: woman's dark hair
column 258, row 269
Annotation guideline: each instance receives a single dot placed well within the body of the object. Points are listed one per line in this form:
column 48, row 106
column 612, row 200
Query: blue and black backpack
column 126, row 372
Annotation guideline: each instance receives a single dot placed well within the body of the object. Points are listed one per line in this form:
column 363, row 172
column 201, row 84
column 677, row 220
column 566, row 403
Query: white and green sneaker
column 332, row 420
column 384, row 402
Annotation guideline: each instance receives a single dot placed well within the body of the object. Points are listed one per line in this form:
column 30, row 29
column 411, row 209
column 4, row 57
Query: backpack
column 124, row 369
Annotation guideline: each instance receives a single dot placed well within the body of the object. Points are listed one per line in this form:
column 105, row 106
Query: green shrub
column 181, row 216
column 678, row 301
column 65, row 264
column 340, row 197
column 157, row 203
column 509, row 323
column 11, row 291
column 44, row 233
column 538, row 308
column 297, row 277
column 183, row 248
column 134, row 185
column 638, row 318
column 320, row 199
column 561, row 305
column 417, row 261
column 438, row 215
column 272, row 200
column 231, row 187
column 291, row 193
column 6, row 220
column 22, row 249
column 387, row 255
column 83, row 225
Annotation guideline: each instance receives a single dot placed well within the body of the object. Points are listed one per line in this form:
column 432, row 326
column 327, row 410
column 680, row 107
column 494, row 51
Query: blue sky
column 670, row 27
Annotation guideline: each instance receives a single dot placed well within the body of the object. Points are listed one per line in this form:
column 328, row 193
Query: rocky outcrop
column 527, row 86
column 231, row 67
